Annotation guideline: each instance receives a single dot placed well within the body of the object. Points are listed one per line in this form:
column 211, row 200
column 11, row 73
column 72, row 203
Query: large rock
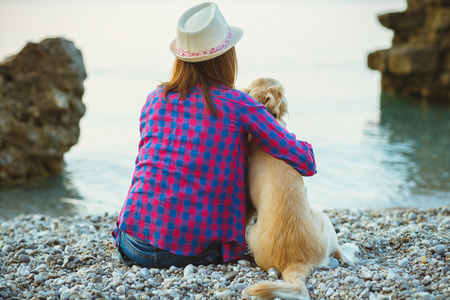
column 40, row 108
column 418, row 63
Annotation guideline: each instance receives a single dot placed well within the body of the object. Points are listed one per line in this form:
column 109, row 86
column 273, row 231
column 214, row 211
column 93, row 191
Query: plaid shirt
column 188, row 187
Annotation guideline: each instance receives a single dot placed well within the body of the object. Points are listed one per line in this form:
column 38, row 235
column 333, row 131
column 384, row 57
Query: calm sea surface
column 372, row 150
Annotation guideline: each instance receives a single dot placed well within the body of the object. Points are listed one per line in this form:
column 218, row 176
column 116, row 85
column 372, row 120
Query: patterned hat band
column 216, row 49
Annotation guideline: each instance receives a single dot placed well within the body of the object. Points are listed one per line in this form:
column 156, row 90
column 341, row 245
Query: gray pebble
column 365, row 294
column 440, row 249
column 367, row 275
column 383, row 269
column 86, row 295
column 7, row 248
column 24, row 258
column 225, row 295
column 38, row 279
column 216, row 275
column 244, row 262
column 164, row 274
column 412, row 216
column 96, row 279
column 334, row 263
column 391, row 275
column 240, row 286
column 329, row 292
column 230, row 275
column 426, row 280
column 65, row 296
column 351, row 279
column 344, row 231
column 121, row 290
column 48, row 259
column 421, row 296
column 403, row 263
column 188, row 270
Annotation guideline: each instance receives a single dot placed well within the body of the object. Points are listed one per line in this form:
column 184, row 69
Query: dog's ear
column 283, row 107
column 275, row 101
column 258, row 94
column 276, row 91
column 274, row 97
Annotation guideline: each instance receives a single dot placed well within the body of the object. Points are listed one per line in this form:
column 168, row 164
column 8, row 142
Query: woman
column 186, row 203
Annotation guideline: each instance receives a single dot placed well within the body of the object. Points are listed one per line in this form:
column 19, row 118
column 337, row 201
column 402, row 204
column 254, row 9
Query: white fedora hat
column 203, row 34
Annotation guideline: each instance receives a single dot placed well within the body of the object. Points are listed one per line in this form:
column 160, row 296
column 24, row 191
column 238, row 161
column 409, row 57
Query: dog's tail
column 293, row 288
column 339, row 255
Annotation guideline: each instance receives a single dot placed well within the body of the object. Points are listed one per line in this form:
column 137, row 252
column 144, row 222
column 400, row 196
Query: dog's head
column 269, row 92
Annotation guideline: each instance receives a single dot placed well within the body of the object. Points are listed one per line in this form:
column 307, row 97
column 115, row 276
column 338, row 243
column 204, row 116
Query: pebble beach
column 403, row 254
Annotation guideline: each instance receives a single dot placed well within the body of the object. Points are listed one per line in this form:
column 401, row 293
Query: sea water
column 372, row 150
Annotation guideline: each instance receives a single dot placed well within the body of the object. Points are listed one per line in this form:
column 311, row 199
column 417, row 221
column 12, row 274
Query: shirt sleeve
column 275, row 139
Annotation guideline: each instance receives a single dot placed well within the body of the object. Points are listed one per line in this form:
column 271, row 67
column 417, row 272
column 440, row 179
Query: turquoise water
column 372, row 150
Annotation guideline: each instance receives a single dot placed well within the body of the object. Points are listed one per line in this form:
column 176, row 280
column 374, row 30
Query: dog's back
column 286, row 230
column 288, row 234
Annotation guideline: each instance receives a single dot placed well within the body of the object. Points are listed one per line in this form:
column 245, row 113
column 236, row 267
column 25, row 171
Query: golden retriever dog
column 288, row 234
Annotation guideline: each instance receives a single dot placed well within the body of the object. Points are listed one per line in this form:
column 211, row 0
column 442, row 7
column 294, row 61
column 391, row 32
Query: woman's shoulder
column 156, row 93
column 228, row 93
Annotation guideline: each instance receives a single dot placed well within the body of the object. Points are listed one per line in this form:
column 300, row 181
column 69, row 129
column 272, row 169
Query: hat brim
column 236, row 35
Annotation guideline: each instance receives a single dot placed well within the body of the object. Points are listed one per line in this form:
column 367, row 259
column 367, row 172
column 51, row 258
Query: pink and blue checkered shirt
column 188, row 187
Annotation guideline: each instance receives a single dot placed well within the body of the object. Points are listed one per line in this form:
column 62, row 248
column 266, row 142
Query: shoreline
column 404, row 253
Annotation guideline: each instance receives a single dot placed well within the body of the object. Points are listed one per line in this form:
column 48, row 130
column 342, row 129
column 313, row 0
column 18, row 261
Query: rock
column 421, row 296
column 38, row 279
column 393, row 276
column 412, row 216
column 440, row 249
column 40, row 108
column 65, row 296
column 121, row 290
column 333, row 264
column 240, row 286
column 97, row 279
column 329, row 292
column 377, row 276
column 409, row 60
column 418, row 63
column 188, row 270
column 403, row 263
column 230, row 275
column 367, row 275
column 351, row 279
column 24, row 258
column 426, row 280
column 344, row 230
column 225, row 295
column 7, row 248
column 86, row 295
column 444, row 281
column 244, row 262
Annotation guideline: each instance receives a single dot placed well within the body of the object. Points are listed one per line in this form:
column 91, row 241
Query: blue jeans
column 133, row 251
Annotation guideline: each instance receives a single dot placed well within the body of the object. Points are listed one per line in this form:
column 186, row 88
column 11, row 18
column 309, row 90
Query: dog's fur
column 287, row 235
